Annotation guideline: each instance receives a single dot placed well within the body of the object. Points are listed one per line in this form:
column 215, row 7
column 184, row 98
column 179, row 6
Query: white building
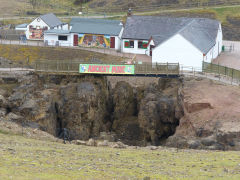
column 87, row 32
column 35, row 30
column 56, row 37
column 187, row 41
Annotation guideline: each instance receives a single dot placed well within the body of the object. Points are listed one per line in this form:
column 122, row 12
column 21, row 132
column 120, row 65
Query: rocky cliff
column 89, row 105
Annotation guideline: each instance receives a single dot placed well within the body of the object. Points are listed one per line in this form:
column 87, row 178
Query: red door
column 112, row 44
column 75, row 40
column 151, row 47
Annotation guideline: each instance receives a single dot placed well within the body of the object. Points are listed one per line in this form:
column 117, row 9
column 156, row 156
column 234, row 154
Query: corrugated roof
column 51, row 20
column 56, row 31
column 201, row 32
column 22, row 26
column 96, row 26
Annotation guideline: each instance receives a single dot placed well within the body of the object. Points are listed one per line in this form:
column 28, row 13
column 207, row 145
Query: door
column 75, row 40
column 151, row 47
column 112, row 44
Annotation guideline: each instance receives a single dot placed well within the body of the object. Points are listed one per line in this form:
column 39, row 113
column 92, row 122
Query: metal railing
column 217, row 69
column 73, row 67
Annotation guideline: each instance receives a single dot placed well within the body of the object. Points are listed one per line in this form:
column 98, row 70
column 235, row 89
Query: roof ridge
column 187, row 25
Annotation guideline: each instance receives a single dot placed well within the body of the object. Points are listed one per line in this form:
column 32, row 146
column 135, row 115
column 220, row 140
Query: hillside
column 72, row 7
column 228, row 12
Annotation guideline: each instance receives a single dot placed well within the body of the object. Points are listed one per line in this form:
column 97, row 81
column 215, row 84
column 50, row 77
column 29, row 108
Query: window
column 128, row 44
column 131, row 44
column 142, row 45
column 62, row 38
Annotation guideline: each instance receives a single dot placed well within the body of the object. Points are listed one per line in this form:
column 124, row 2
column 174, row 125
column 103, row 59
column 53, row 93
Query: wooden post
column 167, row 69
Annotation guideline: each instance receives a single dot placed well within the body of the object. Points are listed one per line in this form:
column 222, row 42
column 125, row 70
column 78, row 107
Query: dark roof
column 96, row 26
column 201, row 32
column 51, row 20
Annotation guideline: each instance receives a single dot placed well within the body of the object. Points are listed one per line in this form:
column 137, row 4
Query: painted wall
column 35, row 30
column 178, row 50
column 135, row 50
column 93, row 40
column 52, row 40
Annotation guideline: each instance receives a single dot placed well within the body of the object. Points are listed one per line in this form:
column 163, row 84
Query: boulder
column 91, row 142
column 103, row 143
column 14, row 117
column 79, row 142
column 119, row 145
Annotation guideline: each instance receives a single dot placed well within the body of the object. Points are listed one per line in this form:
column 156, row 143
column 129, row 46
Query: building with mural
column 88, row 32
column 96, row 32
column 35, row 30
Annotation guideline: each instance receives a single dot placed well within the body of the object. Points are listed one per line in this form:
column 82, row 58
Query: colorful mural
column 92, row 40
column 37, row 33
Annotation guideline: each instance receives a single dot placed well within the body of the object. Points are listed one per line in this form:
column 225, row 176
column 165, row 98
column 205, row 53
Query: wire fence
column 221, row 70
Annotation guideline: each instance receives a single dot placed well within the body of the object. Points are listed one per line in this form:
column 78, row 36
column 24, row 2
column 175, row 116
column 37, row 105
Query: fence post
column 167, row 69
column 232, row 76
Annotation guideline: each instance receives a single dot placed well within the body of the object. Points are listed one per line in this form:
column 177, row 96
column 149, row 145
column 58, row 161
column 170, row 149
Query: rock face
column 88, row 107
column 160, row 110
column 83, row 108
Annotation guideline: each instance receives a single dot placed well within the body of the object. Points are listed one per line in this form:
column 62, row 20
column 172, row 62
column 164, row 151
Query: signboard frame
column 110, row 69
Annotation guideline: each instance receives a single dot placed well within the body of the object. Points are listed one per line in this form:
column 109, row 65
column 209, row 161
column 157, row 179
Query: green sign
column 106, row 69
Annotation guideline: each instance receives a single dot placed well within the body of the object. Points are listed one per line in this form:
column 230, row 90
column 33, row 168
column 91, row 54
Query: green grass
column 20, row 53
column 22, row 158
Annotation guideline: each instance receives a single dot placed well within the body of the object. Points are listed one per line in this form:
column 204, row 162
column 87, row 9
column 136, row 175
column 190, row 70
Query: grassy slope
column 21, row 53
column 22, row 158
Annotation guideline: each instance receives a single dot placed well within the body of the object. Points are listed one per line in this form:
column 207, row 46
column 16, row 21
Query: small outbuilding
column 187, row 41
column 56, row 37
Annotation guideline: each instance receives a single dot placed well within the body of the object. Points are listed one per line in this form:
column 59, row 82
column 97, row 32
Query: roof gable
column 51, row 20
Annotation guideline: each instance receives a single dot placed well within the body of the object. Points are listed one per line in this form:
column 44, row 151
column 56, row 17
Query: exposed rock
column 83, row 108
column 119, row 145
column 79, row 142
column 152, row 147
column 14, row 117
column 194, row 144
column 3, row 102
column 103, row 143
column 3, row 112
column 91, row 142
column 110, row 136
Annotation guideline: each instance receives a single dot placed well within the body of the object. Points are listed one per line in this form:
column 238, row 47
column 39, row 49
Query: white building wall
column 218, row 46
column 41, row 24
column 117, row 43
column 178, row 50
column 53, row 38
column 134, row 50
